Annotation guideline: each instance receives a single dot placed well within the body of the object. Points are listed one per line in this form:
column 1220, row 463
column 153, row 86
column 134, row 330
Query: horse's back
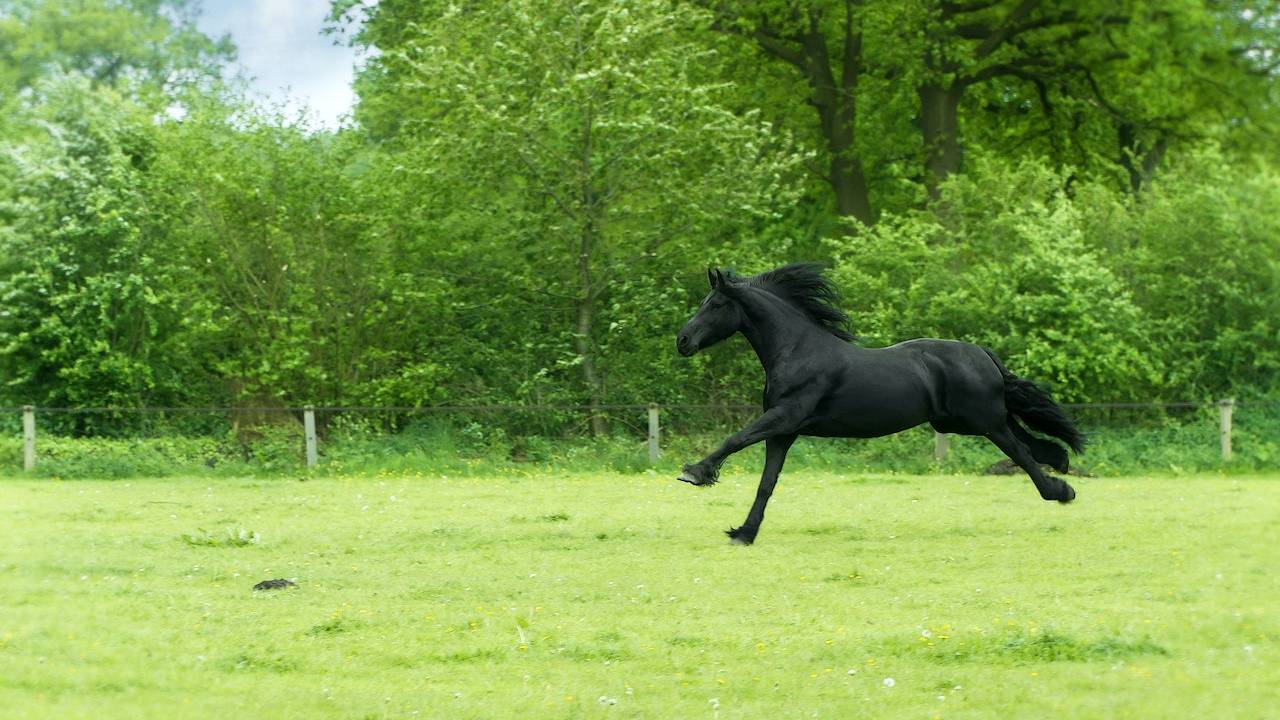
column 966, row 385
column 955, row 386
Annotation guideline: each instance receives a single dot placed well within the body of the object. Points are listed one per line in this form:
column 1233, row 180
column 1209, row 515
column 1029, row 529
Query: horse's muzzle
column 684, row 345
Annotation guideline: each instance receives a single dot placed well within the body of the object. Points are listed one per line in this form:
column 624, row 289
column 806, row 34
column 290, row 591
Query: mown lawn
column 617, row 595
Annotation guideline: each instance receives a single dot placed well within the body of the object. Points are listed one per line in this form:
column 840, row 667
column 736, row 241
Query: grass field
column 617, row 595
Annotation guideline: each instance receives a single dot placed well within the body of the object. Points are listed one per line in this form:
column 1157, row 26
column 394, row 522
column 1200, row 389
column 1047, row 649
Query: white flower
column 888, row 682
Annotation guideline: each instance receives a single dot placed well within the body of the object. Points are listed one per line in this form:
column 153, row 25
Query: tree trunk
column 847, row 179
column 587, row 290
column 586, row 315
column 834, row 98
column 940, row 131
column 836, row 103
column 1138, row 160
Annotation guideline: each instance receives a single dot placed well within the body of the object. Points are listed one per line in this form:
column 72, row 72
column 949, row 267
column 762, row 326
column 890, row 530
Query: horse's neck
column 774, row 327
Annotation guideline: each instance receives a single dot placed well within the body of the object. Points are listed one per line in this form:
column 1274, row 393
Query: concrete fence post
column 28, row 437
column 309, row 430
column 1224, row 426
column 653, row 434
column 941, row 446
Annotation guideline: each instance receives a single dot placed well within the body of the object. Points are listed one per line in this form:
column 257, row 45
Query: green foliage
column 91, row 306
column 1006, row 266
column 1200, row 251
column 523, row 211
column 582, row 157
column 269, row 449
column 149, row 47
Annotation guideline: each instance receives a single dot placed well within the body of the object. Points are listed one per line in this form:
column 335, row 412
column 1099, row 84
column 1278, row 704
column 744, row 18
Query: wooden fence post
column 309, row 430
column 653, row 434
column 941, row 445
column 29, row 437
column 1224, row 426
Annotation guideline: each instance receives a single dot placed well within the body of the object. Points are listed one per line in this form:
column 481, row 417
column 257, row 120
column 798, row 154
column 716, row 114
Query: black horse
column 818, row 383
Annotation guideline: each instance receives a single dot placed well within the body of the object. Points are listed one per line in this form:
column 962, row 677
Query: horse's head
column 717, row 318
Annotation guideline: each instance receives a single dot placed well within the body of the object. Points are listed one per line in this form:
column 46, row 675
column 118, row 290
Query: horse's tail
column 1037, row 409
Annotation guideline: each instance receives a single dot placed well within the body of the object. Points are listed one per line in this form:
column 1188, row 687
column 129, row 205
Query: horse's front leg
column 775, row 455
column 777, row 421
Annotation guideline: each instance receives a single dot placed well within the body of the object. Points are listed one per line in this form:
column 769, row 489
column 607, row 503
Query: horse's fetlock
column 744, row 535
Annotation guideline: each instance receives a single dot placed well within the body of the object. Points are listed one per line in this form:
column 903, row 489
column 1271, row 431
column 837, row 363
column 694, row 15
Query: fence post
column 29, row 437
column 1224, row 426
column 653, row 434
column 309, row 430
column 941, row 444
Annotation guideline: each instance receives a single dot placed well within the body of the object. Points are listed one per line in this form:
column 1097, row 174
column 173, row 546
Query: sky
column 280, row 48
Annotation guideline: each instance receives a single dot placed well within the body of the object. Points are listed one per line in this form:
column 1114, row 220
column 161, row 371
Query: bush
column 1007, row 268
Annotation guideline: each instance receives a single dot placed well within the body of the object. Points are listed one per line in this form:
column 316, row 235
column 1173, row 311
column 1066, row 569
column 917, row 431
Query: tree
column 823, row 42
column 1101, row 86
column 90, row 304
column 1106, row 87
column 581, row 145
column 149, row 45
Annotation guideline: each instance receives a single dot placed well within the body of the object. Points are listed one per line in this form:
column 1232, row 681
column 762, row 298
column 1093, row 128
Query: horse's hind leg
column 1046, row 452
column 1050, row 487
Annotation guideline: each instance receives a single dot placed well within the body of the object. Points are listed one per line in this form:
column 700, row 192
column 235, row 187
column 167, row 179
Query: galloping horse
column 818, row 383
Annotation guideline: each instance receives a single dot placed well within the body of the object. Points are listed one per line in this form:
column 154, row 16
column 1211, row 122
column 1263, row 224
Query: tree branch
column 951, row 9
column 776, row 46
column 1006, row 28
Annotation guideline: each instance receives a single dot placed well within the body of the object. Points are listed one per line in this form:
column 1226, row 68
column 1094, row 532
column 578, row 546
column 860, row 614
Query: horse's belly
column 862, row 426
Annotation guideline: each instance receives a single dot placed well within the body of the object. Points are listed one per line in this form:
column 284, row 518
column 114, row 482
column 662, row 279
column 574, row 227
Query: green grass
column 616, row 595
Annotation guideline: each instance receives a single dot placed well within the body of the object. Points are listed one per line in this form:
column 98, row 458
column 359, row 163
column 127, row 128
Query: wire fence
column 427, row 409
column 640, row 420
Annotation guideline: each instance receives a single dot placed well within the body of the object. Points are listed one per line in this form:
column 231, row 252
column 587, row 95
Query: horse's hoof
column 737, row 537
column 1070, row 495
column 691, row 475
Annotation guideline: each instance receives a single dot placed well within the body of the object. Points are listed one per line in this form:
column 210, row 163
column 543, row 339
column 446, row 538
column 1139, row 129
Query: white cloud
column 282, row 49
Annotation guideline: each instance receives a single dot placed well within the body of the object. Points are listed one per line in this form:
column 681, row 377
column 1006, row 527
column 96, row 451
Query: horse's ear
column 714, row 278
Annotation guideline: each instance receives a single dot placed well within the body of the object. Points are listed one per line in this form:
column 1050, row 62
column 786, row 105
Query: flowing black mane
column 804, row 286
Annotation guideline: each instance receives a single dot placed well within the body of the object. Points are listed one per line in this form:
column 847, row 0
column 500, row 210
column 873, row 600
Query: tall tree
column 149, row 44
column 584, row 142
column 1090, row 81
column 823, row 42
column 89, row 300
